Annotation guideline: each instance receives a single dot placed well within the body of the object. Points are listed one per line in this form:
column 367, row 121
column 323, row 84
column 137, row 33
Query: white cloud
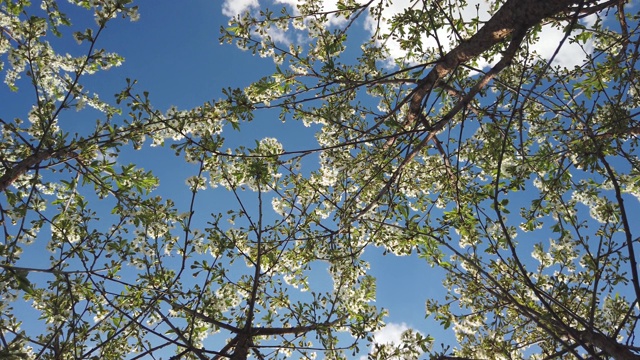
column 390, row 334
column 327, row 5
column 278, row 36
column 474, row 8
column 292, row 3
column 232, row 8
column 568, row 56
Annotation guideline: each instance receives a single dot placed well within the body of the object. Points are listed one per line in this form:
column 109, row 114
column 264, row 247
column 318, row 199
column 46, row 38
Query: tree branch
column 607, row 344
column 26, row 164
column 514, row 17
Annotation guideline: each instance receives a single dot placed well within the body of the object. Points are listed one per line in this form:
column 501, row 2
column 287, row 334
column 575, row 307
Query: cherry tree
column 497, row 140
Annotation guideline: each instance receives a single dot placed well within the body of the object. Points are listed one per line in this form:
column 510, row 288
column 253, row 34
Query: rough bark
column 512, row 21
column 608, row 345
column 515, row 16
column 30, row 162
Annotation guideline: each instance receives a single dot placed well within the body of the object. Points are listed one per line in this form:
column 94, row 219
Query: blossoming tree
column 449, row 135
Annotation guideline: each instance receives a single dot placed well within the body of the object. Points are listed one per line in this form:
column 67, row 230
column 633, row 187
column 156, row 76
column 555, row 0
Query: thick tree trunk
column 514, row 16
column 608, row 345
column 513, row 20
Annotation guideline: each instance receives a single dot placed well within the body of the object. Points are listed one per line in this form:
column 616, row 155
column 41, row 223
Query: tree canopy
column 456, row 130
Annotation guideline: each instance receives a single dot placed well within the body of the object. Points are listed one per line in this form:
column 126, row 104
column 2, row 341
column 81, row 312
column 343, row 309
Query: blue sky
column 174, row 53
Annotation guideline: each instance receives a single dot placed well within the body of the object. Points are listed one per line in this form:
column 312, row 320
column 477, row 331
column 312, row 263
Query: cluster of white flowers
column 468, row 326
column 197, row 241
column 100, row 314
column 508, row 166
column 196, row 183
column 295, row 279
column 630, row 186
column 28, row 236
column 66, row 229
column 140, row 245
column 467, row 240
column 24, row 181
column 355, row 287
column 270, row 146
column 7, row 296
column 600, row 209
column 544, row 258
column 566, row 247
column 279, row 206
column 105, row 10
column 139, row 263
column 298, row 70
column 225, row 294
column 538, row 182
column 495, row 231
column 328, row 175
column 254, row 171
column 614, row 309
